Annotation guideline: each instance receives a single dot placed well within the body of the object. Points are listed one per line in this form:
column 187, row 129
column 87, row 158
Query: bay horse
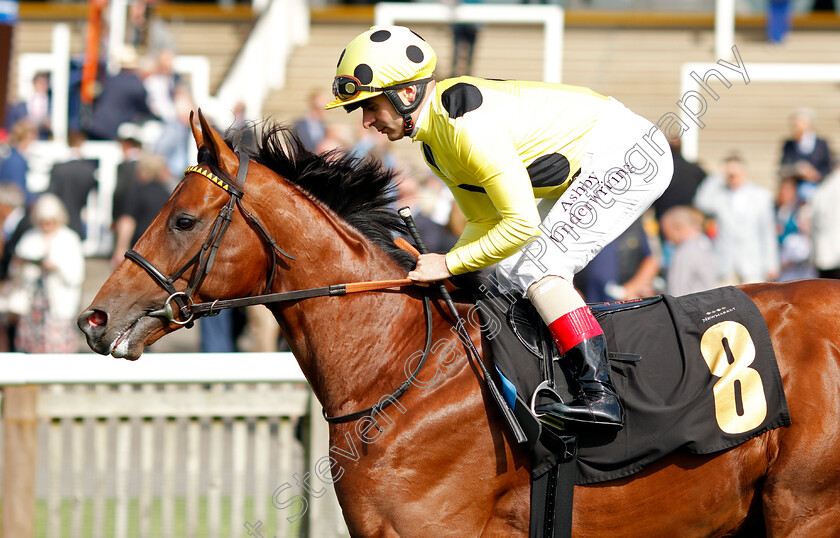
column 445, row 464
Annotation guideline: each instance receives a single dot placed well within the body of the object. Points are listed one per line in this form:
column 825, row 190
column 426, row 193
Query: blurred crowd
column 710, row 228
column 724, row 227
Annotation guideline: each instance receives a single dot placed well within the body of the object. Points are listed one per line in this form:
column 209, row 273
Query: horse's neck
column 348, row 346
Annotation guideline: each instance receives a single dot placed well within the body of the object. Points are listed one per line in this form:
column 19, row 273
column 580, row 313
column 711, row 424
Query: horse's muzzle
column 94, row 323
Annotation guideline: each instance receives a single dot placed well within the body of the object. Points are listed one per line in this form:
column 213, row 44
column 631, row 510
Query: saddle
column 695, row 373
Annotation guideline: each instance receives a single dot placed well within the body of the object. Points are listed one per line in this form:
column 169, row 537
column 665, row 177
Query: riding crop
column 464, row 335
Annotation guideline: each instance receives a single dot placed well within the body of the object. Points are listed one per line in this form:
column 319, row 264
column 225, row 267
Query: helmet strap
column 404, row 109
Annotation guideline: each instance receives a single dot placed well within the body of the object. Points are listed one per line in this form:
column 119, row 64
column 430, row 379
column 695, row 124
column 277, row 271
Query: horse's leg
column 446, row 467
column 510, row 511
column 802, row 489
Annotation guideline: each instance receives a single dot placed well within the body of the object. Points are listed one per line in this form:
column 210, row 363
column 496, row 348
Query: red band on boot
column 573, row 328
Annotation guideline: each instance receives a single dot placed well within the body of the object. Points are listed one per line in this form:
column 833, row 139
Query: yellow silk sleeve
column 503, row 217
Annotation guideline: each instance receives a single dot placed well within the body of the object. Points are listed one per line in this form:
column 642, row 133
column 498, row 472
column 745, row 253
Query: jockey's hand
column 430, row 268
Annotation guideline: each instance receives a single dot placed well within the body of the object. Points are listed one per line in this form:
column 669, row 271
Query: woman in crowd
column 51, row 270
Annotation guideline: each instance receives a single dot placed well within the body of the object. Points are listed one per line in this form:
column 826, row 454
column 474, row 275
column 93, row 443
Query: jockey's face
column 379, row 113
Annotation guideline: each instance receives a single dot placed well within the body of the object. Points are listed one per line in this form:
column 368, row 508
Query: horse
column 441, row 461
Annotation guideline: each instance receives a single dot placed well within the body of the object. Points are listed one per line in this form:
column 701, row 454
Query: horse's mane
column 360, row 190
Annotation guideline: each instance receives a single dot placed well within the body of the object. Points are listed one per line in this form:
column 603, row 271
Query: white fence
column 171, row 445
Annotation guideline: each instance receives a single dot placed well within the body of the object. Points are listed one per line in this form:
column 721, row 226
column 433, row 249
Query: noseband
column 203, row 259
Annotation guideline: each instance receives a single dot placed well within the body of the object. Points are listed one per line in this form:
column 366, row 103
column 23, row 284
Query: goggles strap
column 404, row 109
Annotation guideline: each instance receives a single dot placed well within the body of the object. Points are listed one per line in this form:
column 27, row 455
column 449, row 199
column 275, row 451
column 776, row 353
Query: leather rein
column 203, row 261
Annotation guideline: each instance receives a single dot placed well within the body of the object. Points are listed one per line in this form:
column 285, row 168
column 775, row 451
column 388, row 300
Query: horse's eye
column 184, row 223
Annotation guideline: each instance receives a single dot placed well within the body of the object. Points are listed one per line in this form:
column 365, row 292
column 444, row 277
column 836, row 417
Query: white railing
column 169, row 445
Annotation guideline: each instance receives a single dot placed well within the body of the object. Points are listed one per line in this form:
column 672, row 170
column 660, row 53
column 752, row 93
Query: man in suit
column 805, row 150
column 123, row 99
column 746, row 244
column 73, row 180
column 35, row 108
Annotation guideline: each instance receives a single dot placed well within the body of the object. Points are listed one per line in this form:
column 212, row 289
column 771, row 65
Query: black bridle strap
column 207, row 253
column 388, row 400
column 167, row 284
column 162, row 280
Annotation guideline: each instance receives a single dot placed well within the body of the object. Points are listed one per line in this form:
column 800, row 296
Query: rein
column 203, row 260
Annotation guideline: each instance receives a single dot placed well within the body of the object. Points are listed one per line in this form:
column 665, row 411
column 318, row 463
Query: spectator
column 159, row 80
column 13, row 165
column 175, row 143
column 337, row 137
column 261, row 331
column 245, row 128
column 36, row 108
column 73, row 180
column 806, row 151
column 144, row 30
column 825, row 226
column 778, row 20
column 14, row 218
column 123, row 99
column 464, row 36
column 129, row 137
column 438, row 238
column 683, row 186
column 368, row 142
column 746, row 243
column 51, row 269
column 692, row 266
column 624, row 269
column 144, row 203
column 311, row 128
column 792, row 229
column 216, row 333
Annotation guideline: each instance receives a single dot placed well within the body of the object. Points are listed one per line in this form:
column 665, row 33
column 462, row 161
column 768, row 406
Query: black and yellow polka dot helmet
column 383, row 58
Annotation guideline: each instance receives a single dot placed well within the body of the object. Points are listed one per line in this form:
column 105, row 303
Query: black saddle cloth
column 663, row 354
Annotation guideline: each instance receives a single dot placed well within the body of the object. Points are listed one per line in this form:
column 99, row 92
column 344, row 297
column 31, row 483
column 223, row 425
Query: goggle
column 346, row 87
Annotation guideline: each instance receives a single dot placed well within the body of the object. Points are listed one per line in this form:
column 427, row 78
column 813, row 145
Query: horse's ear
column 213, row 141
column 196, row 131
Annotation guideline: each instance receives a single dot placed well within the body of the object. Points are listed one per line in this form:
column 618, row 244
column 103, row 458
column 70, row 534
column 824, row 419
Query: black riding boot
column 597, row 406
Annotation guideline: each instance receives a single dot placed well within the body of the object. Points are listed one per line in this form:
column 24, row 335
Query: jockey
column 499, row 146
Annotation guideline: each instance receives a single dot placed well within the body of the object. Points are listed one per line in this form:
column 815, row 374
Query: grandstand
column 635, row 57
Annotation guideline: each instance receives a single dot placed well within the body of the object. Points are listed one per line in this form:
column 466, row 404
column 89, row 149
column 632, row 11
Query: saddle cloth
column 696, row 373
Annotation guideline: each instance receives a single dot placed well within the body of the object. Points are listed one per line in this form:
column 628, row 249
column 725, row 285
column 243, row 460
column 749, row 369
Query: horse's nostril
column 97, row 318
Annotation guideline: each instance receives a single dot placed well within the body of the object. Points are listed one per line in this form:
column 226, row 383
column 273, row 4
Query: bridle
column 203, row 261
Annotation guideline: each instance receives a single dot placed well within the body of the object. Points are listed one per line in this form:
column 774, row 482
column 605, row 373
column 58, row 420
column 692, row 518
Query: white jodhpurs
column 628, row 165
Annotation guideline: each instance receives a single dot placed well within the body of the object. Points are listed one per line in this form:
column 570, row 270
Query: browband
column 215, row 179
